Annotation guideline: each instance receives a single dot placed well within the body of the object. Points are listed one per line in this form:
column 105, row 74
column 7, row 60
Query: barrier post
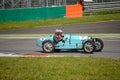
column 74, row 11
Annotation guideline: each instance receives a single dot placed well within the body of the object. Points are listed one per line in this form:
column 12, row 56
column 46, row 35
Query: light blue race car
column 53, row 43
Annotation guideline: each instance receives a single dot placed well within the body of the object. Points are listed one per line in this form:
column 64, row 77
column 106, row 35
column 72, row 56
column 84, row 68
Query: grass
column 60, row 21
column 59, row 68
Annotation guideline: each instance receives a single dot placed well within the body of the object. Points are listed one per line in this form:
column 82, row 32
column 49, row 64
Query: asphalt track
column 28, row 46
column 97, row 27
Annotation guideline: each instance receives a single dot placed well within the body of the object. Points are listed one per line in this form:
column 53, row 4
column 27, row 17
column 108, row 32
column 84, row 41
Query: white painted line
column 10, row 54
column 19, row 37
column 111, row 40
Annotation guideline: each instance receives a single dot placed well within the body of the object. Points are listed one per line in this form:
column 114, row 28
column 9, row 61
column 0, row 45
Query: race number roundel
column 42, row 39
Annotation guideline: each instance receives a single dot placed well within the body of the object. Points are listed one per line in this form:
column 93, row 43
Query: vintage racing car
column 60, row 41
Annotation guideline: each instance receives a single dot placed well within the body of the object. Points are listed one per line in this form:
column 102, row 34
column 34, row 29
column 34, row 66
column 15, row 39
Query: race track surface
column 97, row 27
column 28, row 46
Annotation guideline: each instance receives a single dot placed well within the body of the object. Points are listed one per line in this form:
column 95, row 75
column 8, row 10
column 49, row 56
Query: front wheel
column 98, row 44
column 48, row 46
column 88, row 47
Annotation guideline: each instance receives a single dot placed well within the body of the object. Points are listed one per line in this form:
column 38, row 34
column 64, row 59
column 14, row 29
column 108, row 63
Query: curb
column 29, row 55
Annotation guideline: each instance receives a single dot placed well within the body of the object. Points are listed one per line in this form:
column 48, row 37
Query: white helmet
column 58, row 30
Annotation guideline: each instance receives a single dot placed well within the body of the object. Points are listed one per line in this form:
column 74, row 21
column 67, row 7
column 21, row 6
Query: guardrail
column 92, row 7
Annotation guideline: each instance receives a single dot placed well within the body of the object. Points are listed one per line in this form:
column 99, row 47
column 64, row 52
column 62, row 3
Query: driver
column 58, row 35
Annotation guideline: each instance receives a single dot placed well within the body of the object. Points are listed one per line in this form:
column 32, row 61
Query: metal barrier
column 9, row 4
column 92, row 7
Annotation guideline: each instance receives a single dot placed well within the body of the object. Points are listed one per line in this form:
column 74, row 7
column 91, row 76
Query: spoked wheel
column 98, row 44
column 88, row 47
column 48, row 46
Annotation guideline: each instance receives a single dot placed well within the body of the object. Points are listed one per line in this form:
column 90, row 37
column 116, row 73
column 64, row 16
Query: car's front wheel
column 48, row 46
column 88, row 47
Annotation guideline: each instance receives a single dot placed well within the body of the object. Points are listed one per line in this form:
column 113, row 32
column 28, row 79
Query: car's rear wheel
column 88, row 47
column 98, row 44
column 48, row 46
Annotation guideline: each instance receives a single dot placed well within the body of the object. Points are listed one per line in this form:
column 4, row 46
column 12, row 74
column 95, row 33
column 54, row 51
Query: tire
column 48, row 46
column 98, row 44
column 88, row 47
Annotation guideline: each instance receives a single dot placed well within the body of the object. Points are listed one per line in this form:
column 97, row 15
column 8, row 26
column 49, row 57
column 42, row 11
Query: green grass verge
column 60, row 21
column 59, row 68
column 44, row 35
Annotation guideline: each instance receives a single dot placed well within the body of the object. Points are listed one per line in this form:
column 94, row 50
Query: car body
column 69, row 42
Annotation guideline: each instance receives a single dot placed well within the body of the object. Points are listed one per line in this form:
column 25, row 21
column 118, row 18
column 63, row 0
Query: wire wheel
column 98, row 44
column 48, row 46
column 88, row 47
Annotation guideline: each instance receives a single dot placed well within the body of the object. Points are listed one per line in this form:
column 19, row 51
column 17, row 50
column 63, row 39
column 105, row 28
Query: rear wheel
column 98, row 44
column 88, row 47
column 48, row 46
